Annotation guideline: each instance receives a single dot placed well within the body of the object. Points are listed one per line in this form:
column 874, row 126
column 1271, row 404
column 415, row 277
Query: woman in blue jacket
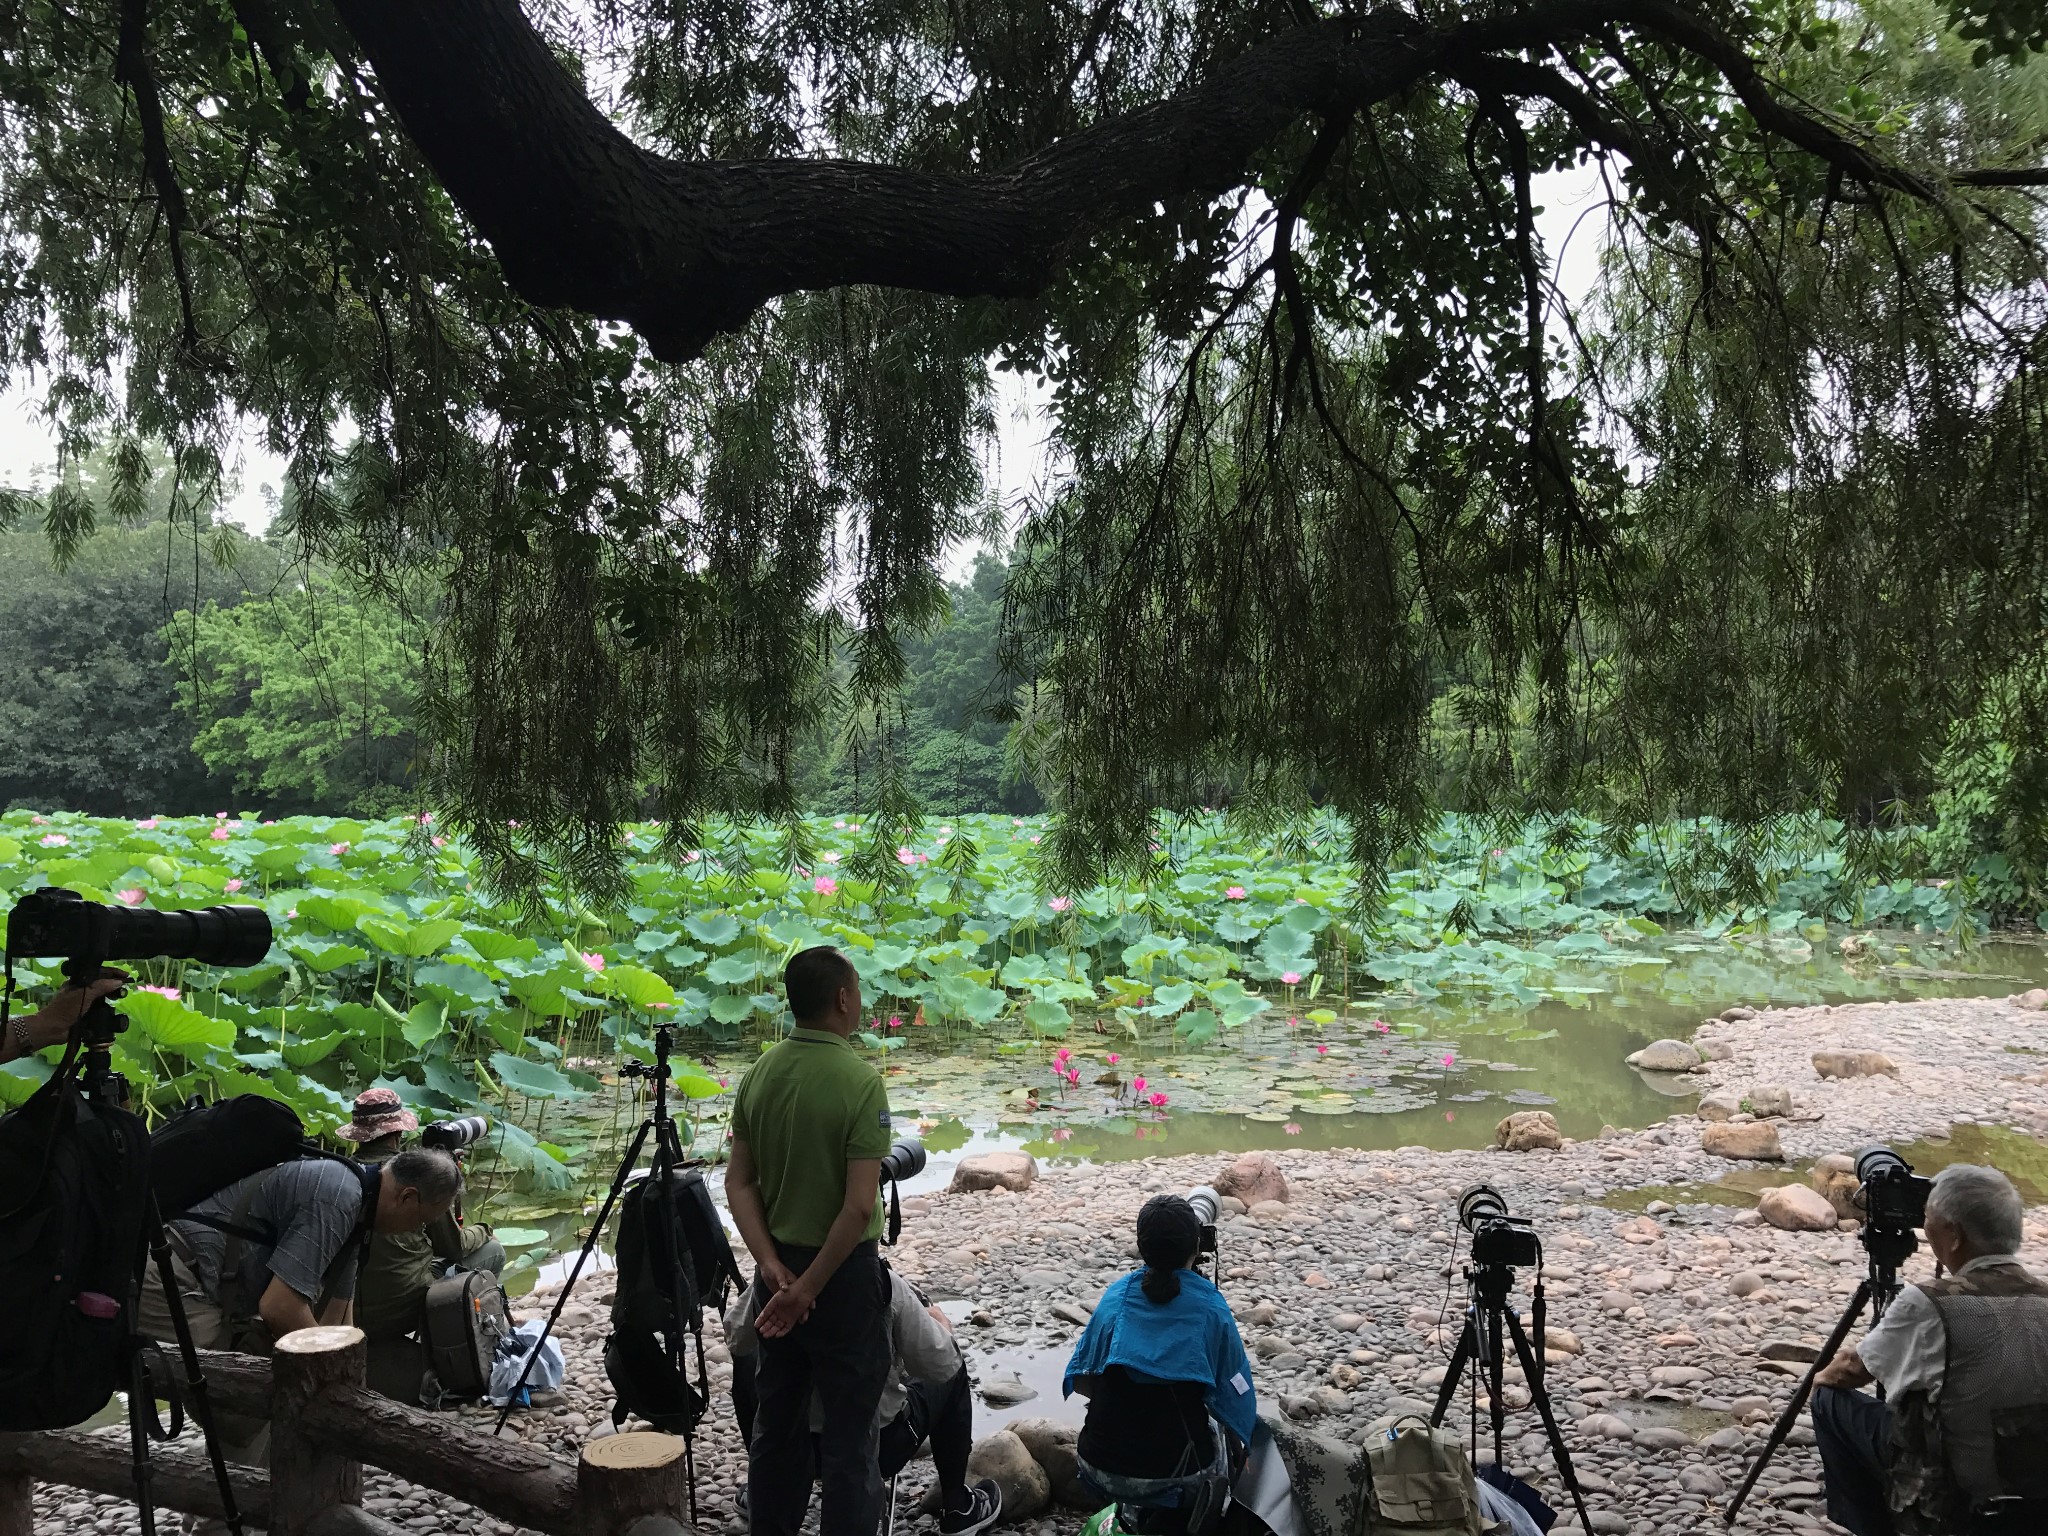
column 1163, row 1369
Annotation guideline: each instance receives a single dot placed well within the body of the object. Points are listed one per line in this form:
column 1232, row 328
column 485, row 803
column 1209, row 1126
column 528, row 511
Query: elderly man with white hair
column 1963, row 1361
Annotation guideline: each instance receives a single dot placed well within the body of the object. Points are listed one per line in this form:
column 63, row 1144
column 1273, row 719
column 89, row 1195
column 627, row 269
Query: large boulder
column 1771, row 1102
column 1666, row 1056
column 1796, row 1208
column 1254, row 1178
column 2035, row 998
column 1052, row 1446
column 1014, row 1171
column 1722, row 1104
column 1834, row 1180
column 1853, row 1064
column 1005, row 1458
column 1528, row 1130
column 1755, row 1141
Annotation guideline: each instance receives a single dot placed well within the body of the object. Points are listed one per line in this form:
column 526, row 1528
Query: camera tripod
column 98, row 1083
column 1888, row 1247
column 1489, row 1323
column 668, row 1157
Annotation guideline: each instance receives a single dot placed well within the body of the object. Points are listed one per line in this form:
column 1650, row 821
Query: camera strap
column 895, row 1212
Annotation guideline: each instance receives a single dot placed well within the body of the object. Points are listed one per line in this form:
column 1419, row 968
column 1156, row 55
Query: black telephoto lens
column 55, row 923
column 1879, row 1163
column 905, row 1160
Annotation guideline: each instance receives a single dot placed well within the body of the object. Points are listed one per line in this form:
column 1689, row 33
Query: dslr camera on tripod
column 1497, row 1237
column 1894, row 1196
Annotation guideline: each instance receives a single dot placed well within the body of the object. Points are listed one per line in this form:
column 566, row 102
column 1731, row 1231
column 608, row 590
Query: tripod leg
column 197, row 1399
column 1468, row 1351
column 1786, row 1419
column 1539, row 1396
column 589, row 1245
column 1496, row 1380
column 138, row 1449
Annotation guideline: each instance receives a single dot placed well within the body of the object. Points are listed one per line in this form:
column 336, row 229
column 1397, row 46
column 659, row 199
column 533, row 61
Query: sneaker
column 984, row 1508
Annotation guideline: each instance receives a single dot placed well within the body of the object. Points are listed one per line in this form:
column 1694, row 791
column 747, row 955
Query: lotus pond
column 1233, row 1002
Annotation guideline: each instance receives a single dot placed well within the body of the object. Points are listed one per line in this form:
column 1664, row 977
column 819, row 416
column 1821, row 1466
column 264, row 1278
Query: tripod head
column 658, row 1072
column 94, row 1032
column 1888, row 1247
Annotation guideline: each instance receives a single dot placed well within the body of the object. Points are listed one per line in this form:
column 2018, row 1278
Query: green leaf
column 452, row 1085
column 328, row 957
column 637, row 986
column 519, row 1237
column 21, row 1077
column 731, row 1008
column 1047, row 1018
column 532, row 1079
column 171, row 1024
column 426, row 1023
column 315, row 1048
column 713, row 928
column 457, row 982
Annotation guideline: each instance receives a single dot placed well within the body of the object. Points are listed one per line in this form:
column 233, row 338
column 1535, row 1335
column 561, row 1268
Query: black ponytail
column 1169, row 1233
column 1160, row 1285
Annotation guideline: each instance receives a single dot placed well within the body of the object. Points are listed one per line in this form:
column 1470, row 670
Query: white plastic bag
column 510, row 1360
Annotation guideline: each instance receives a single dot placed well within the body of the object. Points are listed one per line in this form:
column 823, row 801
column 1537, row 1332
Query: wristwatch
column 19, row 1025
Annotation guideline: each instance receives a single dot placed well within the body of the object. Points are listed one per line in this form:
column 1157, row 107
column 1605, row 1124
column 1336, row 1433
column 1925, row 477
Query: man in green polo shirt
column 809, row 1128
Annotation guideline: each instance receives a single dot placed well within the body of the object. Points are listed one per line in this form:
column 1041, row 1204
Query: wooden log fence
column 325, row 1424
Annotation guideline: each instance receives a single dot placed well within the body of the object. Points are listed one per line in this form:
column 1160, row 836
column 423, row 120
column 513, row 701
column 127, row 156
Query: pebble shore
column 1677, row 1333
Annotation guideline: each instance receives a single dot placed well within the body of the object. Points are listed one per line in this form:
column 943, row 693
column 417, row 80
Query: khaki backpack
column 1420, row 1479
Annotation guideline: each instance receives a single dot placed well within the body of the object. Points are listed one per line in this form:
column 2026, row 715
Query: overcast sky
column 1021, row 464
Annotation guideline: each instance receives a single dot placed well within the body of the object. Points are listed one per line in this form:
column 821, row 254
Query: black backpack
column 206, row 1147
column 671, row 1254
column 74, row 1196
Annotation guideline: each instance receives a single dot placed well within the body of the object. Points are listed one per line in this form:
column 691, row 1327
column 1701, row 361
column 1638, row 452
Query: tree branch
column 131, row 68
column 582, row 217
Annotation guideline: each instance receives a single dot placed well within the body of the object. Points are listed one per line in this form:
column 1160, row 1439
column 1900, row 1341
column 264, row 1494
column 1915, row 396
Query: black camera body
column 1497, row 1238
column 454, row 1135
column 1894, row 1196
column 53, row 923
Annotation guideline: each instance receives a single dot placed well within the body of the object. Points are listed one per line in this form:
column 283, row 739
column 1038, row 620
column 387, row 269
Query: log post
column 17, row 1504
column 308, row 1474
column 622, row 1478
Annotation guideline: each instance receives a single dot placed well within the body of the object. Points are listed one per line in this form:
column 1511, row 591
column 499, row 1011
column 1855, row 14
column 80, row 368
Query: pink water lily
column 1157, row 1100
column 1114, row 1058
column 39, row 821
column 55, row 840
column 426, row 818
column 170, row 992
column 439, row 841
column 1290, row 979
column 133, row 896
column 1381, row 1025
column 147, row 824
column 1234, row 893
column 1062, row 1132
column 1061, row 903
column 895, row 1021
column 232, row 886
column 1073, row 1076
column 824, row 885
column 831, row 858
column 905, row 856
column 593, row 959
column 1322, row 1050
column 1137, row 1085
column 1061, row 1054
column 337, row 849
column 1034, row 839
column 1291, row 1128
column 220, row 834
column 1450, row 1059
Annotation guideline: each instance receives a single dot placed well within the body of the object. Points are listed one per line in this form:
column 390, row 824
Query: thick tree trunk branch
column 582, row 217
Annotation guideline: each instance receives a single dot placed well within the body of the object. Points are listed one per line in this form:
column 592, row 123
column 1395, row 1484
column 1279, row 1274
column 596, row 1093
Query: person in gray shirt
column 283, row 1255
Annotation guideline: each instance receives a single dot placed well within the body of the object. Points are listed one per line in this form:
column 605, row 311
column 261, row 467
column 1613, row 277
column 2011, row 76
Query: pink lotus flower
column 1073, row 1076
column 824, row 885
column 895, row 1021
column 1450, row 1059
column 133, row 896
column 1137, row 1085
column 1062, row 1132
column 235, row 824
column 426, row 818
column 1290, row 979
column 945, row 831
column 1061, row 1054
column 295, row 911
column 905, row 856
column 841, row 825
column 693, row 855
column 1061, row 903
column 220, row 815
column 58, row 840
column 1114, row 1058
column 1381, row 1025
column 220, row 834
column 38, row 821
column 439, row 841
column 1291, row 1128
column 1034, row 839
column 853, row 826
column 170, row 992
column 1157, row 1100
column 1450, row 1114
column 147, row 824
column 1322, row 1050
column 337, row 849
column 1234, row 893
column 593, row 959
column 831, row 858
column 512, row 824
column 232, row 886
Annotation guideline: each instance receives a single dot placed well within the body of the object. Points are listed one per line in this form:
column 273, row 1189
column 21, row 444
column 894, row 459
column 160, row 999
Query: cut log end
column 634, row 1450
column 319, row 1341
